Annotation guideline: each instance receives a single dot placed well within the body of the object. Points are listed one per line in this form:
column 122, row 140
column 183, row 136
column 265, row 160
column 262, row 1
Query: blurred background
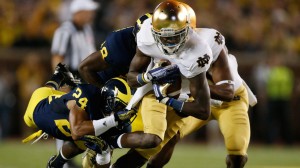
column 263, row 35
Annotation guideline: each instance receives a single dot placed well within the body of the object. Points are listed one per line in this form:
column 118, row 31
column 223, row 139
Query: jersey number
column 50, row 98
column 64, row 126
column 103, row 51
column 82, row 101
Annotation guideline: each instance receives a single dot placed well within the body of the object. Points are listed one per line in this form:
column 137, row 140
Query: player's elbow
column 203, row 113
column 83, row 68
column 228, row 95
column 76, row 133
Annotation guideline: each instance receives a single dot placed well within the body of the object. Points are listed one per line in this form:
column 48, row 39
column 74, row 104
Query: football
column 174, row 89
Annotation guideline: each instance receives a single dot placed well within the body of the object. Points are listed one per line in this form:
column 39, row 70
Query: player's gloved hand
column 95, row 143
column 124, row 115
column 162, row 75
column 160, row 94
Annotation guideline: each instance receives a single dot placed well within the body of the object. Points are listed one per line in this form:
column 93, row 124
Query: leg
column 164, row 156
column 68, row 151
column 129, row 160
column 236, row 161
column 235, row 127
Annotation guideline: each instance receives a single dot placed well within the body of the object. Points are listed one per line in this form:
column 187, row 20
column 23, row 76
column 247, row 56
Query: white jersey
column 192, row 59
column 216, row 42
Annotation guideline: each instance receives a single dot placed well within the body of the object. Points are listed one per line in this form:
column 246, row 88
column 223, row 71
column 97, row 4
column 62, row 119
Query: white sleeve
column 60, row 42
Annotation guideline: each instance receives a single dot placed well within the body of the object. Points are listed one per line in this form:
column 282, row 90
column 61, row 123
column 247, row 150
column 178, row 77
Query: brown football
column 174, row 89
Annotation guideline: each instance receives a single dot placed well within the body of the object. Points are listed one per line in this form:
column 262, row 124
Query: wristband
column 104, row 124
column 142, row 79
column 176, row 104
column 225, row 81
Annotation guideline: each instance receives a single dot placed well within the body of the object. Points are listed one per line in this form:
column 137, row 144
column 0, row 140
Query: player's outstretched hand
column 95, row 143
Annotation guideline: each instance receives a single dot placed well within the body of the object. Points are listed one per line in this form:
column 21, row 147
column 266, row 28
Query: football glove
column 160, row 94
column 124, row 115
column 162, row 75
column 95, row 143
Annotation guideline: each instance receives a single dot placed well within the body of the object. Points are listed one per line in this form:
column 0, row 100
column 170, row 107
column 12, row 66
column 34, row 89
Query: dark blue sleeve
column 121, row 48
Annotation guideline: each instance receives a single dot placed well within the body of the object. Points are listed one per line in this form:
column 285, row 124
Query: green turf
column 14, row 154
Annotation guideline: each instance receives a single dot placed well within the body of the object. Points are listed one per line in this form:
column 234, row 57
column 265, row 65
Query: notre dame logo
column 203, row 60
column 219, row 38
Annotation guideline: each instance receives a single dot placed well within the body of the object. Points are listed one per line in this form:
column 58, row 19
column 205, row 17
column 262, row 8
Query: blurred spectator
column 7, row 102
column 31, row 74
column 39, row 21
column 279, row 87
column 73, row 41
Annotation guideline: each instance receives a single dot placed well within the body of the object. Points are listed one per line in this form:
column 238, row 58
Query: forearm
column 83, row 128
column 132, row 79
column 195, row 109
column 223, row 92
column 91, row 77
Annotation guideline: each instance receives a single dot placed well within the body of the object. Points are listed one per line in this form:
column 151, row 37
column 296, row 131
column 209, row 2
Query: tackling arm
column 79, row 121
column 89, row 67
column 221, row 72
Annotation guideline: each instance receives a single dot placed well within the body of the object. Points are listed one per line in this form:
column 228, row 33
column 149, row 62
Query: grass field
column 14, row 154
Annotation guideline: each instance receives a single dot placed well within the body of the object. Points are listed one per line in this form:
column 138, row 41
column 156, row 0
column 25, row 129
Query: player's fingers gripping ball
column 163, row 72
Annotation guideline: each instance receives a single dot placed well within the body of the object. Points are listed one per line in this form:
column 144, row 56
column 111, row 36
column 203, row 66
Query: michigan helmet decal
column 139, row 22
column 115, row 94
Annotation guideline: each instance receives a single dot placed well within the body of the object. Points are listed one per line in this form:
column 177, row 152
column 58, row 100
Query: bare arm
column 89, row 67
column 221, row 72
column 138, row 65
column 79, row 121
column 200, row 107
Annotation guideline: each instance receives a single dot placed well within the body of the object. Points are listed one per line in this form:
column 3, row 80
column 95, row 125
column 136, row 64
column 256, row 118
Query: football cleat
column 50, row 161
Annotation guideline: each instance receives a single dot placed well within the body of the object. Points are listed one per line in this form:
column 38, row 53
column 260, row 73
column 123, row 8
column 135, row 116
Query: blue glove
column 162, row 75
column 95, row 143
column 160, row 94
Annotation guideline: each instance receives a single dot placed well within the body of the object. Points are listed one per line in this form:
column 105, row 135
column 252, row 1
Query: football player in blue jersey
column 114, row 57
column 85, row 110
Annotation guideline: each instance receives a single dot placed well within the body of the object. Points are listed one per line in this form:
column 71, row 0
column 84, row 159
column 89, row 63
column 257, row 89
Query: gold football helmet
column 192, row 15
column 170, row 26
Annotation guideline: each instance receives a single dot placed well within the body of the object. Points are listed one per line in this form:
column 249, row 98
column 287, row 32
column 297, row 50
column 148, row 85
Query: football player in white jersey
column 168, row 36
column 226, row 86
column 231, row 111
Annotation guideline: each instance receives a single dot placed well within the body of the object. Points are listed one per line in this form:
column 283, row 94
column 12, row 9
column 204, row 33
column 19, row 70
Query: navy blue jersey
column 51, row 115
column 118, row 50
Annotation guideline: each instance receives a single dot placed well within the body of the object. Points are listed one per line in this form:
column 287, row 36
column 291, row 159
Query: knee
column 152, row 140
column 237, row 145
